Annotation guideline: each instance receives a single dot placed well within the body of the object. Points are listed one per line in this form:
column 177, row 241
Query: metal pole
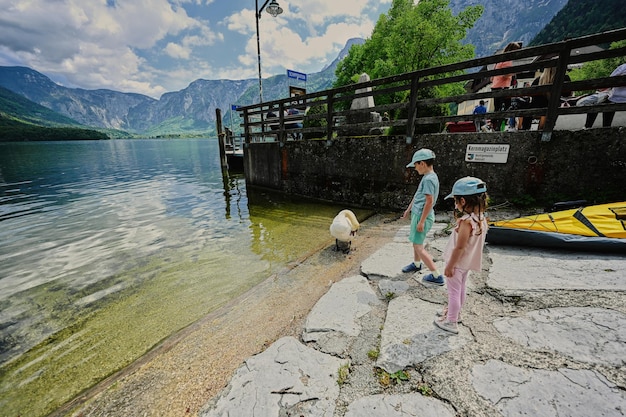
column 258, row 48
column 274, row 10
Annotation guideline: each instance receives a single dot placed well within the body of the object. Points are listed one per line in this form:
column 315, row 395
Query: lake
column 108, row 247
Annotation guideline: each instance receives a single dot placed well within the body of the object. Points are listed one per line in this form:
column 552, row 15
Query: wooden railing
column 335, row 103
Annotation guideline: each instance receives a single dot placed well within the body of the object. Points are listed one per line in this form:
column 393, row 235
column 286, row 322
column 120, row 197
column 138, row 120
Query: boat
column 597, row 228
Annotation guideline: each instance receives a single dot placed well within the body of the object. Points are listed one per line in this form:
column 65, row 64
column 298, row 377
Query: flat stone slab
column 528, row 269
column 408, row 405
column 335, row 317
column 390, row 287
column 388, row 261
column 410, row 337
column 402, row 235
column 543, row 393
column 287, row 379
column 438, row 244
column 592, row 335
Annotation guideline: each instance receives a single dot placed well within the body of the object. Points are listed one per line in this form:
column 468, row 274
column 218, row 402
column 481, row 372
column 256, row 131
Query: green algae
column 118, row 332
column 153, row 299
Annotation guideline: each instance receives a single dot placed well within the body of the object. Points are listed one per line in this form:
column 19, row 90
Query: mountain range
column 191, row 111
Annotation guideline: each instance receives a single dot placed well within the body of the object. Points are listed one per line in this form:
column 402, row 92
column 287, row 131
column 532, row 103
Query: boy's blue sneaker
column 412, row 268
column 430, row 279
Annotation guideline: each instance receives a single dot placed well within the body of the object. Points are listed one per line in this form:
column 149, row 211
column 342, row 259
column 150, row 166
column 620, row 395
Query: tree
column 409, row 38
column 600, row 68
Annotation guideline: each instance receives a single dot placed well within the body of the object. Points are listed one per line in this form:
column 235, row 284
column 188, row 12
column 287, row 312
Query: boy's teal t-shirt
column 429, row 185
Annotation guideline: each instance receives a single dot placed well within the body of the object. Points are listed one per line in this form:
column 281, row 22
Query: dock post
column 221, row 139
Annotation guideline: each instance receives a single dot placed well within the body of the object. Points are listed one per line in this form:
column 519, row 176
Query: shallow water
column 109, row 247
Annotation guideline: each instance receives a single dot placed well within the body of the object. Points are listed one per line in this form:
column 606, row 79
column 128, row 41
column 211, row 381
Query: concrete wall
column 370, row 172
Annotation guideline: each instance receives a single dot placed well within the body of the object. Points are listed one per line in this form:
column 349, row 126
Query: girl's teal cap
column 467, row 186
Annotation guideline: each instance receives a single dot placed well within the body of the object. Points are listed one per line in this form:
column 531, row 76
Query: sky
column 156, row 46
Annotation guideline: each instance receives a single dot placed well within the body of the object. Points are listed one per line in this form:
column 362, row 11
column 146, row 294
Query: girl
column 465, row 247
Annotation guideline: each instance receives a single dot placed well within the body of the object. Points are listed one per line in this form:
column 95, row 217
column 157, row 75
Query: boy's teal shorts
column 417, row 238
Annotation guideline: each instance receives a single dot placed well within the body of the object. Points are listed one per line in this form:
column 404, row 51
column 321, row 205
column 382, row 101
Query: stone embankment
column 543, row 334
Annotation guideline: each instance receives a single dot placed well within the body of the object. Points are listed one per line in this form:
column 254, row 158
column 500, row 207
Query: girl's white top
column 473, row 256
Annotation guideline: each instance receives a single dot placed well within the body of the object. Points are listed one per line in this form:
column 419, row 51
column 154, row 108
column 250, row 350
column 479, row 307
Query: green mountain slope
column 13, row 130
column 583, row 17
column 19, row 107
column 504, row 21
column 21, row 119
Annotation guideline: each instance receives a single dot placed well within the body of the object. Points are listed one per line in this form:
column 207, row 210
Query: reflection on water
column 109, row 247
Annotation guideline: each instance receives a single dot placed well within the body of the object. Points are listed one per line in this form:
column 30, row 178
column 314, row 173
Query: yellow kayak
column 599, row 228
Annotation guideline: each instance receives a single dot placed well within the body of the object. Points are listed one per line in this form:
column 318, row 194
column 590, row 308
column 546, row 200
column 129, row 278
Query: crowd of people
column 508, row 81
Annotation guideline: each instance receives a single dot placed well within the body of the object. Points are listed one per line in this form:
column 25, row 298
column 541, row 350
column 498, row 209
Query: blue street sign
column 233, row 107
column 300, row 76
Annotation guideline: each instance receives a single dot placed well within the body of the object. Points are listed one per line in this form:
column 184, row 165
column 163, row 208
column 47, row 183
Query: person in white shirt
column 616, row 95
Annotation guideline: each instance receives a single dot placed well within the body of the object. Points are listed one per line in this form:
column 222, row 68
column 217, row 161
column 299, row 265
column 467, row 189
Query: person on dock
column 294, row 124
column 503, row 82
column 423, row 215
column 464, row 251
column 614, row 95
column 479, row 109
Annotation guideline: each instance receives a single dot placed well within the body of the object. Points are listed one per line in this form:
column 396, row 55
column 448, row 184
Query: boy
column 423, row 215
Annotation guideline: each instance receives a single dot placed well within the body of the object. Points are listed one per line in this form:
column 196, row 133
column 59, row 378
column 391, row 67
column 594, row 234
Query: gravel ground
column 182, row 374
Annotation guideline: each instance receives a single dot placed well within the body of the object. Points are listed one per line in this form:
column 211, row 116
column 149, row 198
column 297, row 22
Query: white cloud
column 177, row 51
column 153, row 46
column 241, row 22
column 198, row 2
column 94, row 45
column 320, row 11
column 283, row 47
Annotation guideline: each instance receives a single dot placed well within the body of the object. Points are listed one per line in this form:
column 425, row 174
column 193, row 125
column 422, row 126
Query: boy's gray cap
column 467, row 186
column 421, row 155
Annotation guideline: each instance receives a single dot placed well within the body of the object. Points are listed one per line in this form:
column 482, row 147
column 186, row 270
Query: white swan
column 343, row 229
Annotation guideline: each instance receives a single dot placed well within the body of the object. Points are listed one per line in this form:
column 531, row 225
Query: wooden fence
column 330, row 109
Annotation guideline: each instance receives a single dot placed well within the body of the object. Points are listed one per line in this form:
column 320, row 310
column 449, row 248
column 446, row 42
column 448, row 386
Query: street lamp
column 274, row 10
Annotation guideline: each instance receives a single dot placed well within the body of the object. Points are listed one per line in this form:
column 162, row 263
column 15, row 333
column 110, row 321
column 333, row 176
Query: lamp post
column 274, row 10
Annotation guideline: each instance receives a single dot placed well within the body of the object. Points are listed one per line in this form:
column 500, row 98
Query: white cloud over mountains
column 154, row 46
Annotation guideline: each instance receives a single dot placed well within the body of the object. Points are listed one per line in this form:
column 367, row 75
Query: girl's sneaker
column 430, row 279
column 444, row 314
column 446, row 325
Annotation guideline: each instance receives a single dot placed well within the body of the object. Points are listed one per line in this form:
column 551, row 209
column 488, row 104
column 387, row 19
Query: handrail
column 337, row 100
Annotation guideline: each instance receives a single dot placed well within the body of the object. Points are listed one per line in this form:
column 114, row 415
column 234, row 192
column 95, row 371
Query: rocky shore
column 543, row 334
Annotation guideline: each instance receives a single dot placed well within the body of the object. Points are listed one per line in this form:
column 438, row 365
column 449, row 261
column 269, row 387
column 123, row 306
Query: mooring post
column 221, row 139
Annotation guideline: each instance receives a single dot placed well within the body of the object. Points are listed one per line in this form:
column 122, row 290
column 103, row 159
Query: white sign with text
column 490, row 153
